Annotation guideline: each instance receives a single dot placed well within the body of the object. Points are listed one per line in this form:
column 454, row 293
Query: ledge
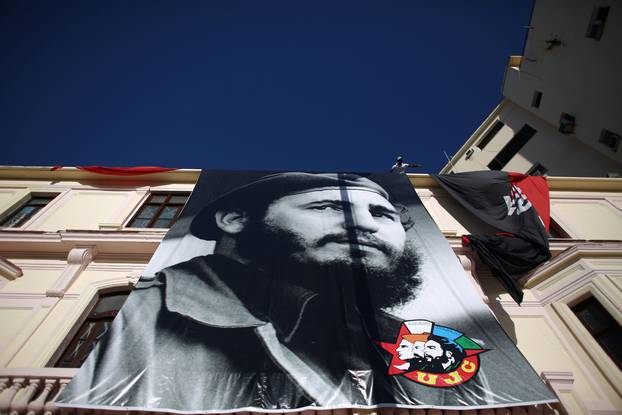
column 74, row 174
column 584, row 249
column 124, row 242
column 575, row 184
column 9, row 270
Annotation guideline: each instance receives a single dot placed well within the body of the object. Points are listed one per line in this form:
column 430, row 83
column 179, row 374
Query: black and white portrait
column 273, row 291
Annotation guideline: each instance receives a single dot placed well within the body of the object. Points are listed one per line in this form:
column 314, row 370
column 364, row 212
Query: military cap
column 263, row 191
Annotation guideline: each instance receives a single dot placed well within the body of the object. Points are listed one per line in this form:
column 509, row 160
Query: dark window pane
column 102, row 328
column 140, row 223
column 612, row 341
column 87, row 330
column 162, row 223
column 594, row 319
column 157, row 199
column 40, row 201
column 610, row 139
column 536, row 99
column 148, row 212
column 20, row 217
column 160, row 211
column 490, row 134
column 180, row 200
column 26, row 211
column 512, row 147
column 110, row 303
column 169, row 212
column 95, row 327
column 556, row 231
column 596, row 27
column 602, row 326
column 537, row 170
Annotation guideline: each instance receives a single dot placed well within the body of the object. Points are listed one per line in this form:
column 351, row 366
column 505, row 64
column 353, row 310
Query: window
column 596, row 27
column 556, row 231
column 27, row 210
column 567, row 123
column 492, row 132
column 536, row 99
column 602, row 326
column 537, row 170
column 160, row 210
column 512, row 147
column 610, row 139
column 93, row 329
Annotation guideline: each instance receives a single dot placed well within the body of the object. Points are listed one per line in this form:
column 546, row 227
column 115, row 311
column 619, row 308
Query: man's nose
column 362, row 220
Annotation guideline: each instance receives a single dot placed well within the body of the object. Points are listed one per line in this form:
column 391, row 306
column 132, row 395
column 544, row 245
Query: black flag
column 515, row 204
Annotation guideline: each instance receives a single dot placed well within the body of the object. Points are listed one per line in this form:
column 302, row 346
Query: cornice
column 575, row 184
column 74, row 174
column 601, row 249
column 107, row 243
column 190, row 176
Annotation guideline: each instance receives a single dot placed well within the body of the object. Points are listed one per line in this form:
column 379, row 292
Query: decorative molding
column 38, row 372
column 468, row 264
column 9, row 270
column 42, row 244
column 110, row 226
column 558, row 380
column 66, row 328
column 572, row 254
column 62, row 195
column 77, row 260
column 584, row 338
column 19, row 194
column 29, row 297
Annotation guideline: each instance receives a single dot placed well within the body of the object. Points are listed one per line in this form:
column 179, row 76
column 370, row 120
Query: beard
column 435, row 364
column 348, row 278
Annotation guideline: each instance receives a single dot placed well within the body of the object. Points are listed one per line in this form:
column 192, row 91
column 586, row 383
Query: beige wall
column 562, row 155
column 580, row 77
column 74, row 248
column 77, row 247
column 544, row 328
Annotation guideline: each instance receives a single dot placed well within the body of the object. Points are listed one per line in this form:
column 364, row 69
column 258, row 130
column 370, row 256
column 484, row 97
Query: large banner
column 289, row 291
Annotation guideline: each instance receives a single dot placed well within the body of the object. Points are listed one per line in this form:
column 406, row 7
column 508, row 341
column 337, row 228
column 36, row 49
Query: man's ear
column 231, row 221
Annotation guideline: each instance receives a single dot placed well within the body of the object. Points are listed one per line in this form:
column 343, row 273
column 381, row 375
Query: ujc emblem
column 433, row 355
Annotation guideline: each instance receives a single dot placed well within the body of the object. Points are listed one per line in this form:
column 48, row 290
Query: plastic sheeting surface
column 323, row 291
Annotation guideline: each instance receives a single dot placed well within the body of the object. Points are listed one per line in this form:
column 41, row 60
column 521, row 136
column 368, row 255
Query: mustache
column 360, row 239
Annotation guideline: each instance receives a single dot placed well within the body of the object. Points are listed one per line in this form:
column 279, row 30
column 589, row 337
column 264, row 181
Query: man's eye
column 328, row 207
column 387, row 215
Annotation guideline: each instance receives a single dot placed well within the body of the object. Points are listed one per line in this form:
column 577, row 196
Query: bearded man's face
column 343, row 230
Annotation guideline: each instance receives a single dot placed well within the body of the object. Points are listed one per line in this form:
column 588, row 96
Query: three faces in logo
column 429, row 353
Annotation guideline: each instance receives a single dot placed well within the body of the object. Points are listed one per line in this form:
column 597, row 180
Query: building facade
column 73, row 243
column 560, row 113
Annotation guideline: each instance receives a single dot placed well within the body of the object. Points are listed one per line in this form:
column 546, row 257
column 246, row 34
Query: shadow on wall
column 493, row 289
column 471, row 223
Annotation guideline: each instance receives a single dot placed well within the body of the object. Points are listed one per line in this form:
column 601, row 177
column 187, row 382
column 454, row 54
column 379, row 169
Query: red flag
column 515, row 204
column 121, row 171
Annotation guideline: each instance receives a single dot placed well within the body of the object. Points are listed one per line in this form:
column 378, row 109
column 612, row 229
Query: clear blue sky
column 302, row 85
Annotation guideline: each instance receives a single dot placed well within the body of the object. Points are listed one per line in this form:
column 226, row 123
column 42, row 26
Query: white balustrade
column 34, row 391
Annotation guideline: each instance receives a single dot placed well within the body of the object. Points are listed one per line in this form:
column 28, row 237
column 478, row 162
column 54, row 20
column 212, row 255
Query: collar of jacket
column 193, row 289
column 197, row 289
